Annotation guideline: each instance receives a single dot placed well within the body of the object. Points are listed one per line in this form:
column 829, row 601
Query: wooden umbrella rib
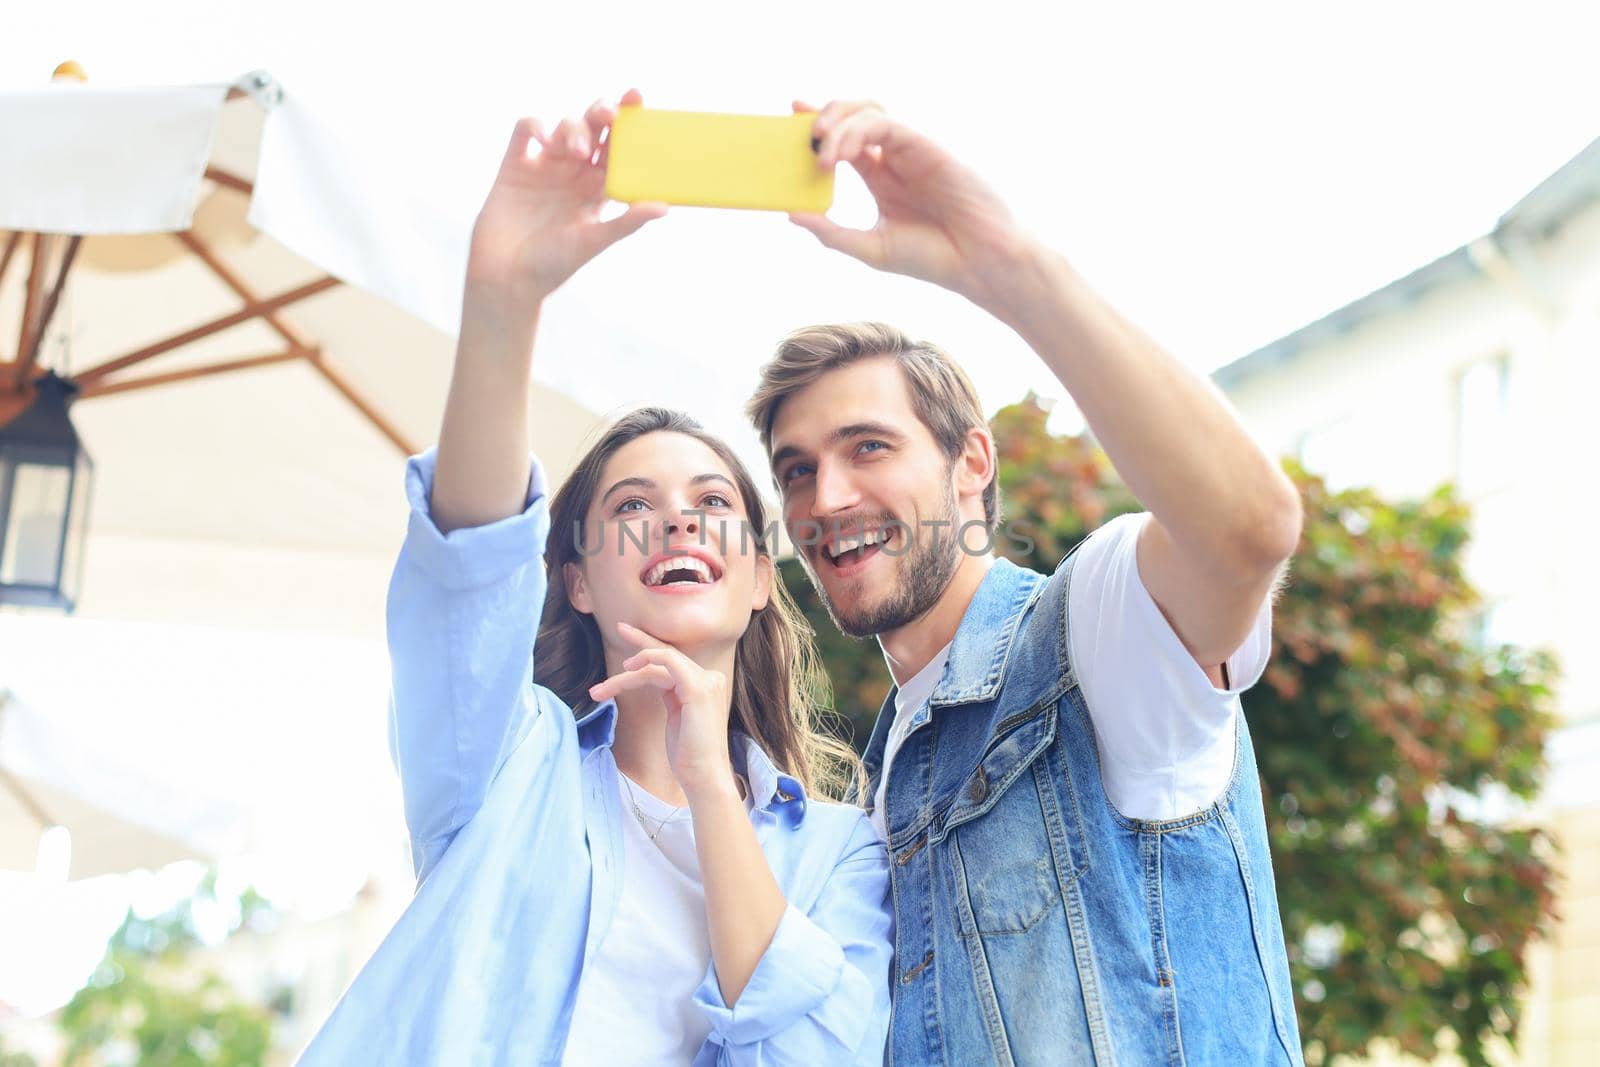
column 246, row 363
column 230, row 179
column 30, row 355
column 245, row 314
column 12, row 241
column 361, row 404
column 240, row 289
column 30, row 300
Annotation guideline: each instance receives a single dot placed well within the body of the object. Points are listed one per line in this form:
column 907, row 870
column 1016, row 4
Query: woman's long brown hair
column 779, row 688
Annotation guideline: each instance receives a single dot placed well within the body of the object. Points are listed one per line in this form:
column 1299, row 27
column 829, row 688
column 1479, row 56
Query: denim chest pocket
column 1014, row 829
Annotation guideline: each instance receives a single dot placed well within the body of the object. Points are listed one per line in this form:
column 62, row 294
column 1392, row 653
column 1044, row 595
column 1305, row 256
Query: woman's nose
column 687, row 523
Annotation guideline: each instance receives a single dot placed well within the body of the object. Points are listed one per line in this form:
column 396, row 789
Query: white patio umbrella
column 189, row 743
column 40, row 794
column 247, row 411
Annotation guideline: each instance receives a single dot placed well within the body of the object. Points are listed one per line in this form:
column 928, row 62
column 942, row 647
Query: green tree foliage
column 1395, row 751
column 147, row 1004
column 16, row 1059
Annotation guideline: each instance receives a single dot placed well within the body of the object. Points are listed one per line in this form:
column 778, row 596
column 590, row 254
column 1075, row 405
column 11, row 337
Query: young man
column 1062, row 773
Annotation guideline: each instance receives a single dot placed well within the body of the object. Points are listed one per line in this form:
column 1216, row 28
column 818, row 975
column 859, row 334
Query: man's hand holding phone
column 937, row 220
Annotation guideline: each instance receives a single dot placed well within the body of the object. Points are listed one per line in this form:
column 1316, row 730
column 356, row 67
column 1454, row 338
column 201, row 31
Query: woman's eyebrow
column 646, row 483
column 642, row 483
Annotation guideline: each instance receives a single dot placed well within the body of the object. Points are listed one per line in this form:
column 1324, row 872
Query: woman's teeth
column 682, row 568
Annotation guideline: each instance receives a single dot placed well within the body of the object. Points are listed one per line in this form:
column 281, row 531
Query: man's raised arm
column 1225, row 516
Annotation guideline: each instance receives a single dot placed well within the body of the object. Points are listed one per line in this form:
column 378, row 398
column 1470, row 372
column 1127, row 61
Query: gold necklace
column 639, row 814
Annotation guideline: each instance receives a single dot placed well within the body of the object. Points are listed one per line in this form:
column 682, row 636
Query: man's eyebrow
column 787, row 452
column 840, row 433
column 864, row 429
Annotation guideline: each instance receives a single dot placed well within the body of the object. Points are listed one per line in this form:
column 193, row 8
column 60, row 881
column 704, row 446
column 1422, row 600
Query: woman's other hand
column 697, row 702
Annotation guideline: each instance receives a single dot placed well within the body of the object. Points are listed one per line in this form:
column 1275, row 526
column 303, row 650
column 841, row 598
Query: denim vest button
column 978, row 787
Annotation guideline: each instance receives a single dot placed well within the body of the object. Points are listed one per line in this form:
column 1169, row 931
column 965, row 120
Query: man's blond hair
column 941, row 393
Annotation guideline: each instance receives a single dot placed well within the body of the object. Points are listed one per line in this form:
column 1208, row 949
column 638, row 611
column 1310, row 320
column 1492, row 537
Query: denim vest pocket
column 1010, row 830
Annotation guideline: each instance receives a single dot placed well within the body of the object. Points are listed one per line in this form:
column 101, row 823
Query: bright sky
column 1224, row 173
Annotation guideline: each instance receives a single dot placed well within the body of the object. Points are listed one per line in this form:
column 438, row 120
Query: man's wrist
column 1027, row 275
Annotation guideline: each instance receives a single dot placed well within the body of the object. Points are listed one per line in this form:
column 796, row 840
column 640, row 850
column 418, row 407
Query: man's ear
column 766, row 574
column 977, row 465
column 577, row 588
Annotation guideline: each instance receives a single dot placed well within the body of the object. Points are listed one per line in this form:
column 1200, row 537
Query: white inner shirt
column 634, row 1002
column 1165, row 733
column 907, row 700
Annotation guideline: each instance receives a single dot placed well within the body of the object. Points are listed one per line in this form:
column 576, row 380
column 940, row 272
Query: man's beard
column 925, row 570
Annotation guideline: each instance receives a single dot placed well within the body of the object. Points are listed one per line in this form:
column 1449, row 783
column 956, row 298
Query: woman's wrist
column 706, row 792
column 499, row 298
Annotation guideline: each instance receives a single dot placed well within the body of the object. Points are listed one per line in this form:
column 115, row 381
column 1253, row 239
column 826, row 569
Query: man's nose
column 835, row 491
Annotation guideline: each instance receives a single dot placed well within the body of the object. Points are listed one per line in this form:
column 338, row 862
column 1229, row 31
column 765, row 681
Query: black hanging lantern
column 44, row 501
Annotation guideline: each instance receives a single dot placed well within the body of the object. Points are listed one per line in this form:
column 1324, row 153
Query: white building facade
column 1483, row 369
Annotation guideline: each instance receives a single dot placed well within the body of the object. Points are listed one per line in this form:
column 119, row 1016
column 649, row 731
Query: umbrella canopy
column 41, row 771
column 186, row 742
column 247, row 411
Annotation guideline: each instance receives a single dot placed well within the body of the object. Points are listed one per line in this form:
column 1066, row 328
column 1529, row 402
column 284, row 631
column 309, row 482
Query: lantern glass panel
column 77, row 531
column 37, row 522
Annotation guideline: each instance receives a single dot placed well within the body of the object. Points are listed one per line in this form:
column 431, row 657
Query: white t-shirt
column 907, row 699
column 635, row 995
column 1165, row 733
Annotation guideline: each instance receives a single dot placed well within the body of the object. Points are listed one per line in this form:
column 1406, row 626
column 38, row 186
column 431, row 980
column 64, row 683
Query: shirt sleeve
column 820, row 993
column 462, row 612
column 1165, row 733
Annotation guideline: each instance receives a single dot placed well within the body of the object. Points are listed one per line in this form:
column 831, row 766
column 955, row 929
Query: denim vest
column 1036, row 924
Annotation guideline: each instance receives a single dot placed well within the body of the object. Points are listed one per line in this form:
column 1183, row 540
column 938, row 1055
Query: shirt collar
column 777, row 793
column 919, row 687
column 598, row 728
column 978, row 652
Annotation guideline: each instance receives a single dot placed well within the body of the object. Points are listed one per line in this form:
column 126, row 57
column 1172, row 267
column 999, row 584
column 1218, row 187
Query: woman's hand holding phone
column 541, row 220
column 539, row 224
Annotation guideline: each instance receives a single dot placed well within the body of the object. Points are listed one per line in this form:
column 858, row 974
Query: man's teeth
column 851, row 542
column 698, row 567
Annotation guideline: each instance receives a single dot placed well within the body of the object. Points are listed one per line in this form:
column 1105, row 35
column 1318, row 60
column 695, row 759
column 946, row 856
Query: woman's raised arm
column 540, row 223
column 469, row 585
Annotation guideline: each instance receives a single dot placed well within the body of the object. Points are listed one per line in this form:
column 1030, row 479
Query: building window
column 1483, row 426
column 1337, row 453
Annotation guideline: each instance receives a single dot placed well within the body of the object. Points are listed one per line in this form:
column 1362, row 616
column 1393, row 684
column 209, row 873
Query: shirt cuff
column 472, row 556
column 800, row 968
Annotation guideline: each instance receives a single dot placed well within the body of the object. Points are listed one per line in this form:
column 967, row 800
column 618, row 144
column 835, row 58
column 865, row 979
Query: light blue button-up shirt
column 514, row 817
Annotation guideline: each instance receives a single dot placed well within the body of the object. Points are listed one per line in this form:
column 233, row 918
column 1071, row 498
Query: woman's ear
column 766, row 574
column 577, row 588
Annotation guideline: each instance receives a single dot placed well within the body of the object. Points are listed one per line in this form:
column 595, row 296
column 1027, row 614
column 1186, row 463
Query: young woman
column 618, row 861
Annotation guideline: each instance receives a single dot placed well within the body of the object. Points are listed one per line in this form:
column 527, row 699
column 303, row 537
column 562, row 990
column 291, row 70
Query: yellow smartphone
column 706, row 159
